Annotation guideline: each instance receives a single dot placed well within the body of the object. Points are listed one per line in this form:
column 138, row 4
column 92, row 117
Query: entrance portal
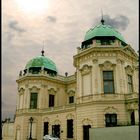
column 56, row 130
column 86, row 132
column 132, row 118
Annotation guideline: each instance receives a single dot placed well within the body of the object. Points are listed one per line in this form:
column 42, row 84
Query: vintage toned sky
column 62, row 25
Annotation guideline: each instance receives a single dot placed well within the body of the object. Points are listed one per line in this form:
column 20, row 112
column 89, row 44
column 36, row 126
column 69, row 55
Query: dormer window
column 107, row 41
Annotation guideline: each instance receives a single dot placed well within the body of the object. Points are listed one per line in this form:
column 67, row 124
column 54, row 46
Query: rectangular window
column 51, row 100
column 130, row 83
column 46, row 126
column 108, row 82
column 111, row 120
column 71, row 99
column 33, row 101
column 70, row 128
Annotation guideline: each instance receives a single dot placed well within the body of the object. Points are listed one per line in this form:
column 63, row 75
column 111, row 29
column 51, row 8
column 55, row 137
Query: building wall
column 8, row 130
column 90, row 103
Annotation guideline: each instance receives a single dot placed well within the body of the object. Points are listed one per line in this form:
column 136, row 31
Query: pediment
column 107, row 65
column 85, row 69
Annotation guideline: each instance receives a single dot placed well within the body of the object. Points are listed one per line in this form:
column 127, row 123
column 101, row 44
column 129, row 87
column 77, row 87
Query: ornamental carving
column 132, row 106
column 34, row 89
column 120, row 61
column 57, row 122
column 110, row 110
column 46, row 119
column 21, row 90
column 107, row 65
column 70, row 116
column 71, row 92
column 95, row 61
column 52, row 91
column 87, row 121
column 129, row 69
column 85, row 69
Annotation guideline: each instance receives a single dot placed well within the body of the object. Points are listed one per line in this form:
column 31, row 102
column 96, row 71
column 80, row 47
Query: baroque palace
column 103, row 91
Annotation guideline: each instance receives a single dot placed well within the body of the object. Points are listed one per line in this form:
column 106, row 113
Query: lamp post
column 31, row 121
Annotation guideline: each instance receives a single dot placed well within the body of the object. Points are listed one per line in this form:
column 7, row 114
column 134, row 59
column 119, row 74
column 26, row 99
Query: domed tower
column 103, row 48
column 39, row 63
column 107, row 73
column 103, row 34
column 35, row 88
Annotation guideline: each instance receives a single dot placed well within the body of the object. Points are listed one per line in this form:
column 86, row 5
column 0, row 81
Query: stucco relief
column 110, row 109
column 95, row 61
column 129, row 69
column 107, row 65
column 57, row 122
column 46, row 119
column 120, row 61
column 34, row 89
column 70, row 116
column 21, row 91
column 132, row 106
column 71, row 92
column 52, row 91
column 85, row 69
column 87, row 121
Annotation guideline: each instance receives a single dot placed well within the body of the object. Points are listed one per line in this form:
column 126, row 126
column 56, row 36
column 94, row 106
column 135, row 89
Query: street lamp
column 31, row 121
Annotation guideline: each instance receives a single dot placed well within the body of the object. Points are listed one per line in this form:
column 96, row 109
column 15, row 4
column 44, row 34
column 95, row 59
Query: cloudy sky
column 61, row 25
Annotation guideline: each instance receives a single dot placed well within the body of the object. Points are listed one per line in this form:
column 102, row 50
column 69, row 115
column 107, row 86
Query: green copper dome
column 103, row 30
column 41, row 61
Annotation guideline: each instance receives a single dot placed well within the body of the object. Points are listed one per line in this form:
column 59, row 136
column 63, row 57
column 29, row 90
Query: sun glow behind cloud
column 32, row 7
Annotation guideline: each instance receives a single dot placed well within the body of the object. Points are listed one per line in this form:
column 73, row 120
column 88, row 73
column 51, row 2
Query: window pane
column 108, row 87
column 130, row 83
column 108, row 82
column 71, row 99
column 51, row 100
column 130, row 88
column 108, row 75
column 129, row 78
column 111, row 120
column 33, row 100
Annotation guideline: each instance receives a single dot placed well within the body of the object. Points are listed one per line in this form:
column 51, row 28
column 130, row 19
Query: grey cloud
column 14, row 25
column 118, row 22
column 8, row 110
column 51, row 19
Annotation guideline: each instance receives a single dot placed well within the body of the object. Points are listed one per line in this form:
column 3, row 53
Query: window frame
column 109, row 119
column 108, row 80
column 71, row 99
column 130, row 83
column 33, row 100
column 70, row 128
column 51, row 102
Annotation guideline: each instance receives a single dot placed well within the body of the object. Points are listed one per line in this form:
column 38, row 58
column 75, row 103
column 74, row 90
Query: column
column 95, row 76
column 119, row 77
column 136, row 116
